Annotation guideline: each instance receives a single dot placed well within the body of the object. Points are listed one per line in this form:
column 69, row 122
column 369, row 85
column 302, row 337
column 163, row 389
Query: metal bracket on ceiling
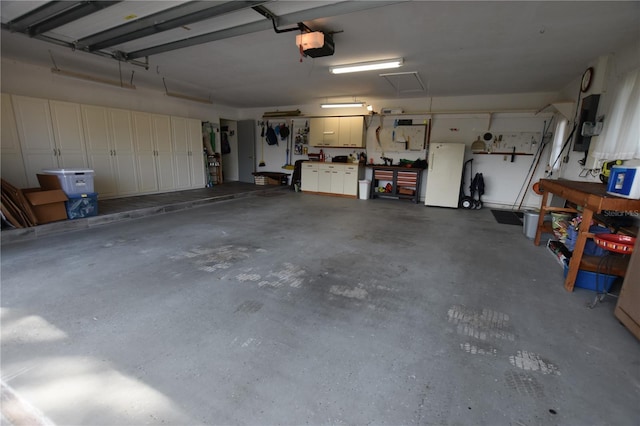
column 269, row 15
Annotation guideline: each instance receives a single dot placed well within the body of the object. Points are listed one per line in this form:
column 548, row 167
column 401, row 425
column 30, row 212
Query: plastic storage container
column 74, row 181
column 365, row 185
column 79, row 206
column 592, row 280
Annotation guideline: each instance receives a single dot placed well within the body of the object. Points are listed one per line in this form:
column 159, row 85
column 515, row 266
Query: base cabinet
column 331, row 178
column 309, row 177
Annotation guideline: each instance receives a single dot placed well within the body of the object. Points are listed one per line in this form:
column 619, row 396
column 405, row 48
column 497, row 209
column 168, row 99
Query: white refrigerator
column 444, row 173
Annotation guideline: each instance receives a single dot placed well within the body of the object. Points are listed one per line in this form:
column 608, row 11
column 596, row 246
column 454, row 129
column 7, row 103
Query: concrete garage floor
column 300, row 309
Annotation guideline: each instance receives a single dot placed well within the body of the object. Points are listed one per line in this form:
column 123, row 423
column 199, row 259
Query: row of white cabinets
column 331, row 178
column 131, row 152
column 347, row 132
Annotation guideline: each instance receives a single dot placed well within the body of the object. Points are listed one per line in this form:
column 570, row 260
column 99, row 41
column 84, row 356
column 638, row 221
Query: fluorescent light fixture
column 93, row 79
column 343, row 105
column 367, row 66
column 189, row 98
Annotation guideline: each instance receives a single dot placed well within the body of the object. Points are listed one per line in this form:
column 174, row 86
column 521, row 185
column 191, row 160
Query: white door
column 181, row 147
column 145, row 151
column 164, row 153
column 124, row 159
column 68, row 133
column 444, row 174
column 35, row 130
column 11, row 155
column 95, row 121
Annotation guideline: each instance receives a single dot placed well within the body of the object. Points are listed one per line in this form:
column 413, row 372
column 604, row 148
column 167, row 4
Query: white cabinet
column 12, row 166
column 181, row 147
column 352, row 174
column 331, row 178
column 154, row 155
column 323, row 131
column 351, row 132
column 196, row 153
column 186, row 137
column 108, row 134
column 324, row 177
column 124, row 153
column 347, row 132
column 51, row 135
column 309, row 177
column 164, row 152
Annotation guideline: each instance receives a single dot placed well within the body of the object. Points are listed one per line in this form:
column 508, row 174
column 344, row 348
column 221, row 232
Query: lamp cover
column 313, row 40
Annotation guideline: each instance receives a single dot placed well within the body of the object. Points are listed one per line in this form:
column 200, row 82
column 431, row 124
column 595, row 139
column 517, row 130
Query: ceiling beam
column 252, row 27
column 23, row 22
column 175, row 17
column 81, row 10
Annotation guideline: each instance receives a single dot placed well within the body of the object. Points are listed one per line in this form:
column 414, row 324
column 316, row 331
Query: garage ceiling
column 230, row 52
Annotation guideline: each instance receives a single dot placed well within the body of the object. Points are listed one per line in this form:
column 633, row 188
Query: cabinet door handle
column 59, row 152
column 55, row 152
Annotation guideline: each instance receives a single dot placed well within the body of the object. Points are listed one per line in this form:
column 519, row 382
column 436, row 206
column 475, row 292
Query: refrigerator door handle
column 433, row 155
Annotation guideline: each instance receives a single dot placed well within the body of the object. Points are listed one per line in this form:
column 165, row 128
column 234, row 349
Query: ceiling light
column 93, row 79
column 313, row 40
column 366, row 66
column 343, row 105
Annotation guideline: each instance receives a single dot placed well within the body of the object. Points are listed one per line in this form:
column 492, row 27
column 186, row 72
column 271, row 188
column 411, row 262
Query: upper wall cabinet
column 11, row 155
column 51, row 135
column 337, row 132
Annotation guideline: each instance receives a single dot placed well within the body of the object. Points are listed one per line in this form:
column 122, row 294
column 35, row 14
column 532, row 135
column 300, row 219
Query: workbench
column 592, row 198
column 405, row 182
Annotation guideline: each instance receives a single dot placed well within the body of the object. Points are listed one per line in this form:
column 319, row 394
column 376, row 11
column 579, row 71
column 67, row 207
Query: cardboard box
column 48, row 205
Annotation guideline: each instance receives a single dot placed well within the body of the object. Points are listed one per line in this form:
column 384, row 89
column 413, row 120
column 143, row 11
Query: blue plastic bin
column 83, row 205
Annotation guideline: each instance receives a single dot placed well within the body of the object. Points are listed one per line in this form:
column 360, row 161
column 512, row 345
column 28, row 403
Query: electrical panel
column 588, row 114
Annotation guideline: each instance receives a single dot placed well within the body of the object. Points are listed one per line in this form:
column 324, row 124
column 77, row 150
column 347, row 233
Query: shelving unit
column 214, row 169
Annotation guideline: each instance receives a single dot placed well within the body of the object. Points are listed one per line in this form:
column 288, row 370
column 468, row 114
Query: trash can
column 530, row 223
column 364, row 189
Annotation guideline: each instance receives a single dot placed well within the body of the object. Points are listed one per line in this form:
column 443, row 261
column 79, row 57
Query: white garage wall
column 503, row 179
column 28, row 80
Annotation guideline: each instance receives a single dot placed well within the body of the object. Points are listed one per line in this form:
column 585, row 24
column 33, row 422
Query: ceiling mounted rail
column 175, row 17
column 267, row 14
column 81, row 10
column 46, row 11
column 288, row 19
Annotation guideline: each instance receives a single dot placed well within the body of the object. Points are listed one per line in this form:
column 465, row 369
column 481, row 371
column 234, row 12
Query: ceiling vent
column 315, row 44
column 404, row 82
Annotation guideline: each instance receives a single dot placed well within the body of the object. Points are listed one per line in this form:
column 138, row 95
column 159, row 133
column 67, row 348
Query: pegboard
column 400, row 134
column 523, row 142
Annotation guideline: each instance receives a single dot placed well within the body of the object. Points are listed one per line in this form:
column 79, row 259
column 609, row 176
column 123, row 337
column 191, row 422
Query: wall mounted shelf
column 502, row 153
